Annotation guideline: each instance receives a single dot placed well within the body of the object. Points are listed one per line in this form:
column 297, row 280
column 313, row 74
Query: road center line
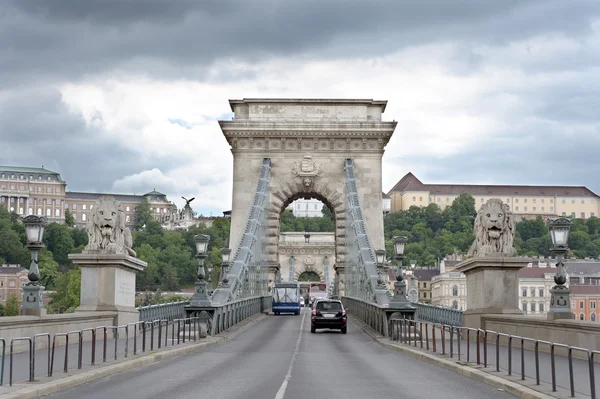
column 284, row 385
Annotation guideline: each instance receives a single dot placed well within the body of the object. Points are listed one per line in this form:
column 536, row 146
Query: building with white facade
column 449, row 289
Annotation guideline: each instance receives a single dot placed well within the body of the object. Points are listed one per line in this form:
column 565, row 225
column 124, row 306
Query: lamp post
column 400, row 299
column 200, row 297
column 326, row 270
column 559, row 299
column 380, row 259
column 225, row 255
column 33, row 292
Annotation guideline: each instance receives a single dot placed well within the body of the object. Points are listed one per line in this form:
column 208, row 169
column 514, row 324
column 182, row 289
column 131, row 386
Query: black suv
column 328, row 313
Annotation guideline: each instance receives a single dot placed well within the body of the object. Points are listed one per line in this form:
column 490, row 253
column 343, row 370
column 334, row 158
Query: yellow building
column 33, row 191
column 526, row 202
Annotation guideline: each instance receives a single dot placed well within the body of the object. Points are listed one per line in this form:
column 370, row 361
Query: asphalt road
column 279, row 358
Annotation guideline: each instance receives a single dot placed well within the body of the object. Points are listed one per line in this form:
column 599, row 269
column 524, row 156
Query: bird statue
column 187, row 201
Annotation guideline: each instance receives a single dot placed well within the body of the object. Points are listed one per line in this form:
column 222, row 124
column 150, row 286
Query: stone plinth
column 492, row 286
column 108, row 284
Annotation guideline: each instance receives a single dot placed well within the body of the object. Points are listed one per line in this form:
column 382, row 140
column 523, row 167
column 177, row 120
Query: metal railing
column 438, row 314
column 138, row 337
column 362, row 276
column 461, row 342
column 163, row 311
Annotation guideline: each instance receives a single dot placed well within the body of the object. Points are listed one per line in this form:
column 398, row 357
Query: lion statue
column 494, row 230
column 106, row 229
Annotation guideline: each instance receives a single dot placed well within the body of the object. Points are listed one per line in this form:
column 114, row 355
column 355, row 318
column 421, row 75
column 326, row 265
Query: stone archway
column 307, row 141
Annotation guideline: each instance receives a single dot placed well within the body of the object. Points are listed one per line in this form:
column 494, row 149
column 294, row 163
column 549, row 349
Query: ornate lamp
column 200, row 297
column 225, row 255
column 33, row 292
column 559, row 300
column 306, row 237
column 400, row 299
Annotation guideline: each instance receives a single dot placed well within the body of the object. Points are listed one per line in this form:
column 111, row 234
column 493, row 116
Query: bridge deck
column 257, row 362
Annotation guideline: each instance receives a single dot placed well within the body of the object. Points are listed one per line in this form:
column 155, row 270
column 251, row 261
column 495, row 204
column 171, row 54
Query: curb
column 476, row 374
column 50, row 387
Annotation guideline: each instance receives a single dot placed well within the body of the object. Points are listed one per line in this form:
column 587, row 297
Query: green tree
column 69, row 219
column 143, row 214
column 59, row 241
column 528, row 229
column 49, row 269
column 68, row 291
column 12, row 307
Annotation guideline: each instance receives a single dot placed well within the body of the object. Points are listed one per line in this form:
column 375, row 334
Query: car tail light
column 343, row 313
column 314, row 312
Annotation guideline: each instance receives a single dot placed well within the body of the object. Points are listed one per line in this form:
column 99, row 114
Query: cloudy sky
column 123, row 95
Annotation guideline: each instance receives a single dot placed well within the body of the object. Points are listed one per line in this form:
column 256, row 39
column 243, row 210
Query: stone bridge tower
column 307, row 141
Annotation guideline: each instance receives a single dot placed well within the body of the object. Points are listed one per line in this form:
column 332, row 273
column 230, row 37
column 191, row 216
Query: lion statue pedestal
column 492, row 270
column 108, row 264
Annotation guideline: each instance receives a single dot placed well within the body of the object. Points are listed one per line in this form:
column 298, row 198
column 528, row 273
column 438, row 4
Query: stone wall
column 28, row 326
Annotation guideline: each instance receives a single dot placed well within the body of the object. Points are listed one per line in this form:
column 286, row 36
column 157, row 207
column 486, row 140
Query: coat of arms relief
column 307, row 170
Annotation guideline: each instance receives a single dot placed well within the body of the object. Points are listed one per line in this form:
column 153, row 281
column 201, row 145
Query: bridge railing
column 569, row 370
column 374, row 315
column 438, row 314
column 227, row 315
column 163, row 311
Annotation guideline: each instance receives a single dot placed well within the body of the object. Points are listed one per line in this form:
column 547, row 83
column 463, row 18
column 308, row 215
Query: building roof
column 583, row 267
column 154, row 192
column 425, row 274
column 76, row 195
column 384, row 195
column 585, row 289
column 26, row 169
column 11, row 269
column 535, row 272
column 410, row 183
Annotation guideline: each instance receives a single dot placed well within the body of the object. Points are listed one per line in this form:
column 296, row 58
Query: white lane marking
column 284, row 385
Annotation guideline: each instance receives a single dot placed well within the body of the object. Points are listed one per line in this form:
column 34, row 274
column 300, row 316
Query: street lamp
column 380, row 259
column 292, row 271
column 400, row 299
column 306, row 237
column 225, row 255
column 33, row 292
column 559, row 300
column 200, row 297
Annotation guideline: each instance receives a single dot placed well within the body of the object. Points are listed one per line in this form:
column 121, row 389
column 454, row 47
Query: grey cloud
column 73, row 39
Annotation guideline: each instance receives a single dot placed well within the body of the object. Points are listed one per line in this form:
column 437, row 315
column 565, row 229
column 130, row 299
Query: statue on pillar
column 106, row 229
column 494, row 230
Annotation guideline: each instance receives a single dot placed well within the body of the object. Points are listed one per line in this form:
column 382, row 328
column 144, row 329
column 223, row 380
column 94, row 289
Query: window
column 516, row 208
column 525, row 208
column 593, row 317
column 48, row 178
column 508, row 200
column 157, row 210
column 48, row 212
column 48, row 201
column 447, row 199
column 91, row 207
column 583, row 215
column 532, row 291
column 534, row 208
column 83, row 217
column 543, row 209
column 49, row 189
column 581, row 317
column 534, row 200
column 57, row 212
column 74, row 206
column 532, row 306
column 543, row 200
column 21, row 211
column 127, row 219
column 592, row 214
column 524, row 292
column 481, row 201
column 580, row 304
column 454, row 290
column 57, row 190
column 30, row 177
column 21, row 188
column 564, row 213
column 541, row 306
column 524, row 307
column 414, row 199
column 439, row 199
column 592, row 304
column 454, row 305
column 583, row 201
column 541, row 292
column 551, row 209
column 572, row 304
column 572, row 201
column 424, row 295
column 420, row 199
column 424, row 284
column 127, row 209
column 517, row 201
column 39, row 177
column 30, row 211
column 84, row 207
column 525, row 200
column 572, row 214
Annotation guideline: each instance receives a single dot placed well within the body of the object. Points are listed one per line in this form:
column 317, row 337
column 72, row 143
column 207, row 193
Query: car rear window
column 323, row 305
